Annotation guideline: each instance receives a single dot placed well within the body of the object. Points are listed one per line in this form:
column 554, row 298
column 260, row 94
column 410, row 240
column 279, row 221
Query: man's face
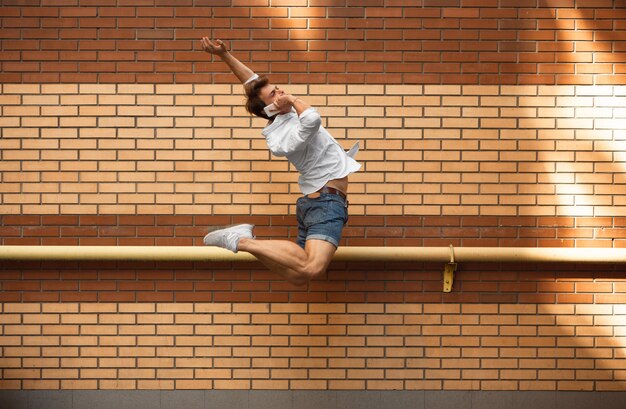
column 270, row 93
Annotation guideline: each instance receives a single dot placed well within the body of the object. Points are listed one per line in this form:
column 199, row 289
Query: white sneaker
column 228, row 237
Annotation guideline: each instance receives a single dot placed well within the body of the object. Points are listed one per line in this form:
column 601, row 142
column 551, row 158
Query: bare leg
column 288, row 259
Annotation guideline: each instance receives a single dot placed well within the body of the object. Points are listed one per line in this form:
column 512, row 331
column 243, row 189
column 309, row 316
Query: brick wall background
column 482, row 123
column 427, row 150
column 312, row 346
column 317, row 41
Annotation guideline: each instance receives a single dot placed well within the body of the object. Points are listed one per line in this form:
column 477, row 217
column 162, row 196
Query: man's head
column 261, row 93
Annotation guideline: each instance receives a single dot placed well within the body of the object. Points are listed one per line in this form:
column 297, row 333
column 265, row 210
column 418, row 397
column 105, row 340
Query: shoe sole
column 212, row 229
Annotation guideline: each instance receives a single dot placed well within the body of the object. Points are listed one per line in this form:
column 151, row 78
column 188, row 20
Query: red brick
column 401, row 242
column 518, row 243
column 20, row 220
column 384, row 232
column 155, row 231
column 194, row 297
column 499, row 276
column 117, row 11
column 610, row 233
column 117, row 231
column 54, row 241
column 540, row 232
column 423, row 298
column 88, row 220
column 193, row 78
column 41, row 231
column 105, row 78
column 98, row 241
column 155, row 275
column 231, row 297
column 555, row 243
column 610, row 299
column 97, row 67
column 174, row 286
column 528, row 298
column 114, row 296
column 97, row 285
column 476, row 286
column 40, row 297
column 10, row 78
column 597, row 243
column 574, row 298
column 366, row 242
column 21, row 286
column 594, row 287
column 160, row 11
column 155, row 78
column 97, row 45
column 331, row 297
column 212, row 286
column 269, row 297
column 443, row 242
column 59, row 286
column 175, row 241
column 79, row 231
column 78, row 11
column 136, row 286
column 480, row 242
column 155, row 296
column 499, row 298
column 136, row 220
column 367, row 220
column 10, row 231
column 79, row 275
column 78, row 297
column 518, row 287
column 448, row 221
column 7, row 297
column 550, row 287
column 173, row 45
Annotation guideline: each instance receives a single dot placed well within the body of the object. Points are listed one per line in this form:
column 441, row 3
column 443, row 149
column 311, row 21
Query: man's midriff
column 339, row 184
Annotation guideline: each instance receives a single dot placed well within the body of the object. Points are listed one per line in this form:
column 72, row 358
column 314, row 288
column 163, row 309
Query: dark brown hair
column 254, row 104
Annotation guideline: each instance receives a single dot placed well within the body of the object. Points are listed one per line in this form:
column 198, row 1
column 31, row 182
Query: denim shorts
column 321, row 218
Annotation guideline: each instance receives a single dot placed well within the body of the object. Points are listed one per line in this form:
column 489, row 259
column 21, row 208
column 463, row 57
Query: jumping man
column 296, row 133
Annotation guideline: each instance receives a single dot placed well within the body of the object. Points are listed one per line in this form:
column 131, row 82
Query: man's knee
column 312, row 270
column 306, row 273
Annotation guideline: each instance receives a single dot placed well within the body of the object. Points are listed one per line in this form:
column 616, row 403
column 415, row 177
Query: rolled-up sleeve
column 287, row 141
column 252, row 78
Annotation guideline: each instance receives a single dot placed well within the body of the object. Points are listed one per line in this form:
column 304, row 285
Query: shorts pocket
column 315, row 213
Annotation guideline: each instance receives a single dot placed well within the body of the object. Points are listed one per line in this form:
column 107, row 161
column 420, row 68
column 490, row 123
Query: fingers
column 211, row 47
column 206, row 44
column 282, row 101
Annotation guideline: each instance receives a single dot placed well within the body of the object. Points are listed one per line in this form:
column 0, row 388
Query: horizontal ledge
column 392, row 254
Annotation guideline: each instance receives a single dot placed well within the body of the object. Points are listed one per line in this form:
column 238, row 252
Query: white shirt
column 310, row 148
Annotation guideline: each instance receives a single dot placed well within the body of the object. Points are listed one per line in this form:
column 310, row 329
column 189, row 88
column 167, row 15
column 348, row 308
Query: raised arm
column 218, row 48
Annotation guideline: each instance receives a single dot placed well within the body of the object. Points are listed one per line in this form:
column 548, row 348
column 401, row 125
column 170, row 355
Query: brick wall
column 434, row 150
column 317, row 41
column 482, row 123
column 313, row 346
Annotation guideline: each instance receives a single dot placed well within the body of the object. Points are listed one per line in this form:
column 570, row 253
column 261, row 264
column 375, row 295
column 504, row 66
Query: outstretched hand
column 217, row 48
